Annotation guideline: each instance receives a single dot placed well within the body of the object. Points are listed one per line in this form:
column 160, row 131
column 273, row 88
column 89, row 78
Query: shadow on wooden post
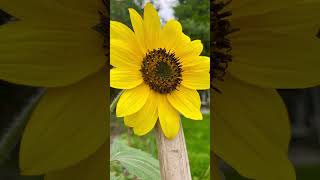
column 173, row 156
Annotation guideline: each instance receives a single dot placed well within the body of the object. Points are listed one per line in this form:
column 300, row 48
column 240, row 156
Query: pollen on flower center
column 161, row 70
column 220, row 44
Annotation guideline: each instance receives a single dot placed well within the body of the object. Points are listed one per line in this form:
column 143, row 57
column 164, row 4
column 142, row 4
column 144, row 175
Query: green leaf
column 113, row 177
column 137, row 162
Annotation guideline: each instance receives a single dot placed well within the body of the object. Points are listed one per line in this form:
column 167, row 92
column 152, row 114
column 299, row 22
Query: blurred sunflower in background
column 56, row 44
column 160, row 69
column 258, row 47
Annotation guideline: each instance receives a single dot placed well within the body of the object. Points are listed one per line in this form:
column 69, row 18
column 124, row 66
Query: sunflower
column 260, row 46
column 56, row 44
column 160, row 70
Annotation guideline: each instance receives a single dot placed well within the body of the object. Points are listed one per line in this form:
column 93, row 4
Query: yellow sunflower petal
column 130, row 122
column 67, row 126
column 144, row 120
column 138, row 27
column 281, row 52
column 169, row 118
column 91, row 168
column 194, row 48
column 122, row 32
column 151, row 27
column 48, row 57
column 132, row 100
column 61, row 11
column 196, row 63
column 195, row 74
column 196, row 80
column 187, row 102
column 251, row 126
column 182, row 43
column 172, row 38
column 124, row 78
column 171, row 35
column 122, row 55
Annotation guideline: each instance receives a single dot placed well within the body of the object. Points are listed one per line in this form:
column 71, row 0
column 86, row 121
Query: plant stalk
column 13, row 134
column 115, row 101
column 173, row 156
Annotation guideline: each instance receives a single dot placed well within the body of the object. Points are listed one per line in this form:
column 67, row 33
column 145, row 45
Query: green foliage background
column 119, row 10
column 194, row 15
column 197, row 135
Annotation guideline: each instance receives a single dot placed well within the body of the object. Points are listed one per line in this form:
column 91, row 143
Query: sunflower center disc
column 161, row 70
column 220, row 44
column 102, row 27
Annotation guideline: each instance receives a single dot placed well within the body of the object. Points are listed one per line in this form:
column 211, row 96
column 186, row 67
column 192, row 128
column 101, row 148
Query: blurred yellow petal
column 246, row 8
column 81, row 6
column 132, row 100
column 58, row 11
column 94, row 167
column 287, row 55
column 251, row 130
column 151, row 27
column 144, row 120
column 68, row 125
column 169, row 118
column 137, row 24
column 187, row 102
column 271, row 18
column 124, row 78
column 122, row 55
column 195, row 74
column 48, row 57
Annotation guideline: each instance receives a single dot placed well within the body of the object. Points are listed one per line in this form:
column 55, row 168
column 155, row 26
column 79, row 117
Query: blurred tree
column 119, row 10
column 194, row 15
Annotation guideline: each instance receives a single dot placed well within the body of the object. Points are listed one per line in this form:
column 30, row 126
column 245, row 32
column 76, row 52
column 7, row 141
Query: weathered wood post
column 173, row 156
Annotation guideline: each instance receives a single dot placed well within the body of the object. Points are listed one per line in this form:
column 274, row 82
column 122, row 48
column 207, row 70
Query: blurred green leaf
column 135, row 161
column 113, row 177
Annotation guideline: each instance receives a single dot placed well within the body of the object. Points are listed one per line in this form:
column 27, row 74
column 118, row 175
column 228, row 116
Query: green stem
column 114, row 102
column 12, row 137
column 206, row 174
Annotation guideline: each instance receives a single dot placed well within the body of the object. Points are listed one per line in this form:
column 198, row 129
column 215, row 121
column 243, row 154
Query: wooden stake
column 173, row 156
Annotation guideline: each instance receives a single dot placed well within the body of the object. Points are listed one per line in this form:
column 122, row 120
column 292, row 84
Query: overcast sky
column 166, row 11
